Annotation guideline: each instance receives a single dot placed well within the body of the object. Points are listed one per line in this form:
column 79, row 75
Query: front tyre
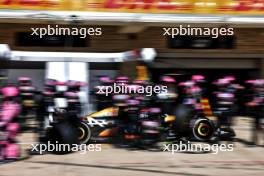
column 84, row 132
column 183, row 116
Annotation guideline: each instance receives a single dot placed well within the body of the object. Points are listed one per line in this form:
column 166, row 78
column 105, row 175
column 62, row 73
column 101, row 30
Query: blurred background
column 138, row 26
column 128, row 26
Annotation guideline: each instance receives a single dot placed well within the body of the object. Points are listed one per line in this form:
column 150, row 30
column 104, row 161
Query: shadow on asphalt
column 117, row 168
column 243, row 141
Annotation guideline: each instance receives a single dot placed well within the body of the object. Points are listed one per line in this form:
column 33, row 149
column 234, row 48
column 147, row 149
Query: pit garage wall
column 261, row 64
column 38, row 76
column 249, row 41
column 210, row 63
column 114, row 39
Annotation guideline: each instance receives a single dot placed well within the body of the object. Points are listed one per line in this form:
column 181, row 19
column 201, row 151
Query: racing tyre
column 64, row 133
column 84, row 132
column 183, row 116
column 203, row 129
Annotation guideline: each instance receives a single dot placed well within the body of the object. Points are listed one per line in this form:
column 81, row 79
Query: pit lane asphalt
column 113, row 161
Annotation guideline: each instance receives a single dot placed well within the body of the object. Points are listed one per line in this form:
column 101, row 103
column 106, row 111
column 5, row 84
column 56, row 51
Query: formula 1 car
column 109, row 125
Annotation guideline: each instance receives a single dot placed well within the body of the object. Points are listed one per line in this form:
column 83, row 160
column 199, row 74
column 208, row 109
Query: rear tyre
column 203, row 129
column 64, row 133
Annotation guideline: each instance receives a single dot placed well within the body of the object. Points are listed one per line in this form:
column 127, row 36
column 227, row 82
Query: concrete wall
column 37, row 76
